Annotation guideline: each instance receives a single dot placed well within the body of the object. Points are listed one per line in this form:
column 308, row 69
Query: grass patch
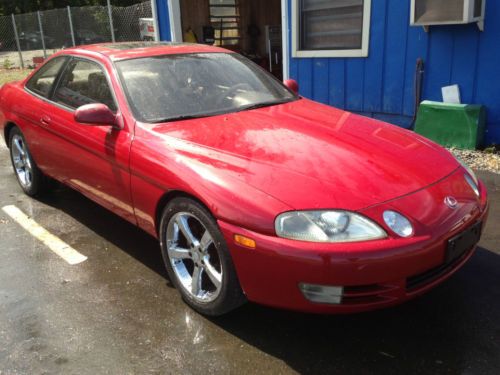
column 8, row 75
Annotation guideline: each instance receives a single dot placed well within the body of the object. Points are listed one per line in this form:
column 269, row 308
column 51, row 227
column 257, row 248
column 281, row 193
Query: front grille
column 422, row 279
column 363, row 300
column 365, row 294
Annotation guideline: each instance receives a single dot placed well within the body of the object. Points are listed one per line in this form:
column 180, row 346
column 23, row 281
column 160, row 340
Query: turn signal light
column 244, row 241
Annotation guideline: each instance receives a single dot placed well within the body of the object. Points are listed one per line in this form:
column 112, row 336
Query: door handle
column 45, row 120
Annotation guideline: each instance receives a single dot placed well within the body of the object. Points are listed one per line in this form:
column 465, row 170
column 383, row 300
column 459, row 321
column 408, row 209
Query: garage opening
column 249, row 27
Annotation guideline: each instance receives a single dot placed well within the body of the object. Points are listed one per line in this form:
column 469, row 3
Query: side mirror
column 292, row 85
column 95, row 114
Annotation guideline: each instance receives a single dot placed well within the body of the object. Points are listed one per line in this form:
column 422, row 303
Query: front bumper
column 374, row 274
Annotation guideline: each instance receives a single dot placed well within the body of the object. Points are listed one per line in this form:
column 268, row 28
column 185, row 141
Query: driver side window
column 41, row 83
column 84, row 82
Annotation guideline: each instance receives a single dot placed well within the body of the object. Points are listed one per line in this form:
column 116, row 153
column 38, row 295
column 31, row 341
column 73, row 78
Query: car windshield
column 176, row 87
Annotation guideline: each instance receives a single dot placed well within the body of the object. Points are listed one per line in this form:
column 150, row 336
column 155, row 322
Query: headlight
column 398, row 223
column 327, row 226
column 470, row 177
column 472, row 184
column 468, row 169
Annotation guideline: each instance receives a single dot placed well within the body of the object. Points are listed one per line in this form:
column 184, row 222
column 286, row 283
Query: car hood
column 311, row 156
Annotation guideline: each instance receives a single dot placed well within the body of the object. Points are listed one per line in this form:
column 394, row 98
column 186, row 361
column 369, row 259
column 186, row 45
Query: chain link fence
column 8, row 42
column 125, row 21
column 26, row 39
column 92, row 25
column 56, row 28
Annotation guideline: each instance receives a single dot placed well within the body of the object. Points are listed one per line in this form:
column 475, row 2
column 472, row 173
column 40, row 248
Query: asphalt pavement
column 117, row 312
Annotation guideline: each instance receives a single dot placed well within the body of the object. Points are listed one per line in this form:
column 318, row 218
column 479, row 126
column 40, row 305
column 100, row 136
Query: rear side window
column 43, row 80
column 83, row 82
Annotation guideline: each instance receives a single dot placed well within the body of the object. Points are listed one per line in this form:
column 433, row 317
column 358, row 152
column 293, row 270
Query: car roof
column 131, row 50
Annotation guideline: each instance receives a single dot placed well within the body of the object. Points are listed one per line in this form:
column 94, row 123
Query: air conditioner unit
column 447, row 12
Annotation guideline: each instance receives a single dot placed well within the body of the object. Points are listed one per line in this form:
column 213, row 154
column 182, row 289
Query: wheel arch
column 168, row 197
column 6, row 131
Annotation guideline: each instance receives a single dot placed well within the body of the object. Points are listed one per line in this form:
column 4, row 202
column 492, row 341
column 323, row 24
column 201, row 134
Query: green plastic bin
column 452, row 125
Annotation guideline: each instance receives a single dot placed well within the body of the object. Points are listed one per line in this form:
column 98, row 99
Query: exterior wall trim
column 285, row 29
column 154, row 12
column 174, row 14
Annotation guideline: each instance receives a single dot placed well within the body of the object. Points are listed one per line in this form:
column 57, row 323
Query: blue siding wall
column 163, row 19
column 382, row 85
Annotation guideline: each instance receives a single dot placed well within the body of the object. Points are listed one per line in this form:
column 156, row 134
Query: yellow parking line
column 54, row 243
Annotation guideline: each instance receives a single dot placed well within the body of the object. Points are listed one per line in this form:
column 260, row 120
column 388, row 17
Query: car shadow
column 108, row 226
column 453, row 329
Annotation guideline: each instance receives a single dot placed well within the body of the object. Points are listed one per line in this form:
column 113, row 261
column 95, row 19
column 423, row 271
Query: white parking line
column 54, row 243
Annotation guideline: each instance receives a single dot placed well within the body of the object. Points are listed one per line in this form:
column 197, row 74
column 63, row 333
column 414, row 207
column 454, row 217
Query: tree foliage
column 24, row 6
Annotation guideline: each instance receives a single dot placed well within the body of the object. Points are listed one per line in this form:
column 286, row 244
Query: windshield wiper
column 243, row 108
column 264, row 104
column 177, row 118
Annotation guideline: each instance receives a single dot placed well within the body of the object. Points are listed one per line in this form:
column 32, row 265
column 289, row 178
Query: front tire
column 29, row 176
column 197, row 258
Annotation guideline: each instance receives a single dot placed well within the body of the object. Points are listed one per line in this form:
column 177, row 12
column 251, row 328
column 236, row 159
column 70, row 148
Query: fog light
column 398, row 223
column 322, row 293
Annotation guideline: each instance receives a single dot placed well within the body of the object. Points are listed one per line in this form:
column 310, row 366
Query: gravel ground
column 479, row 160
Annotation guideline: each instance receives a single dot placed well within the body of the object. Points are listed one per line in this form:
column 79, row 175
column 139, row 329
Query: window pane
column 222, row 2
column 84, row 82
column 231, row 42
column 228, row 33
column 439, row 11
column 230, row 22
column 42, row 81
column 331, row 24
column 223, row 11
column 224, row 17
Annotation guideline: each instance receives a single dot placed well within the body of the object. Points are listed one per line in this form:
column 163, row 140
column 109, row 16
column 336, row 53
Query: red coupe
column 254, row 192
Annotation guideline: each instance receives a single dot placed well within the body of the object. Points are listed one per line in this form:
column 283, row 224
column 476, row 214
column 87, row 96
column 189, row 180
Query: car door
column 91, row 159
column 33, row 109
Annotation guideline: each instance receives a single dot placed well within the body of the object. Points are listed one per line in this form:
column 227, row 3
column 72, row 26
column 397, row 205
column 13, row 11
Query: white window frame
column 361, row 52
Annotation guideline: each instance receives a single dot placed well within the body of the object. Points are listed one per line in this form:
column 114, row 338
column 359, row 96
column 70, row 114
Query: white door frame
column 284, row 35
column 174, row 14
column 154, row 11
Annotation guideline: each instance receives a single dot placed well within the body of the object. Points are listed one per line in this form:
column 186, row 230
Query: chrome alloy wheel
column 194, row 257
column 22, row 161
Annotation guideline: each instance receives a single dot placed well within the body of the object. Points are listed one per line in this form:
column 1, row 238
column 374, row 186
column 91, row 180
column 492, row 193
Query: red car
column 254, row 192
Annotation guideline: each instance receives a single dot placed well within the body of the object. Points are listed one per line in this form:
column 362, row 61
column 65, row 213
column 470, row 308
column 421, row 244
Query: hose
column 419, row 80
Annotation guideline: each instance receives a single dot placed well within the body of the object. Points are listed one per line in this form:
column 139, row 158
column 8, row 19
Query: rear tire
column 197, row 258
column 29, row 176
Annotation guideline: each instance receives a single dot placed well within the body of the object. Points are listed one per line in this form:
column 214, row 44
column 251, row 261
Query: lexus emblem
column 451, row 202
